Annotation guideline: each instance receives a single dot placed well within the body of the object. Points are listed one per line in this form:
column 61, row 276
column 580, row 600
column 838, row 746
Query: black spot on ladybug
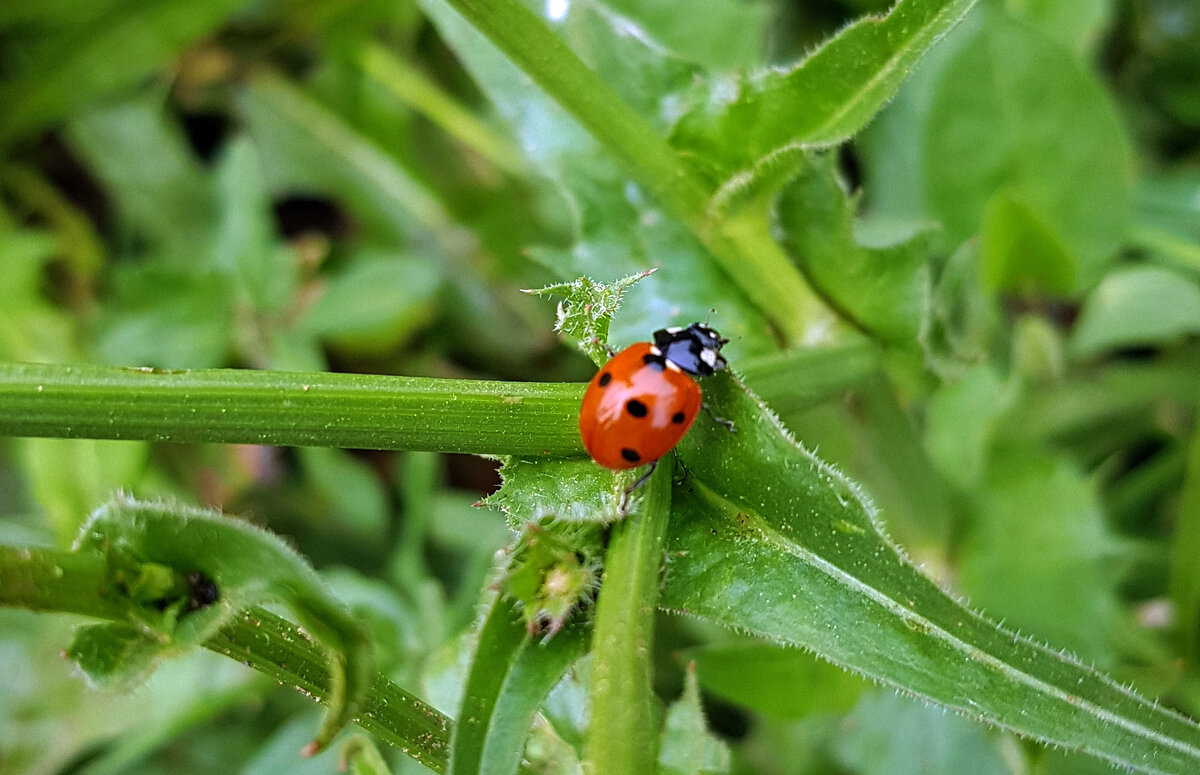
column 636, row 408
column 630, row 454
column 605, row 378
column 678, row 418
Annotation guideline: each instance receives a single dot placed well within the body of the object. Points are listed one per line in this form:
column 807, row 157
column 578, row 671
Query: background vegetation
column 983, row 309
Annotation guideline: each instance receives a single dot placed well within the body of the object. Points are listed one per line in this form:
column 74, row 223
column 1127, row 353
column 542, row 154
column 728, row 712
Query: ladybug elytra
column 642, row 402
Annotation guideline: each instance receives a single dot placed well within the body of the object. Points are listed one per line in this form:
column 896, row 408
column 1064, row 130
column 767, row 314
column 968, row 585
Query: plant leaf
column 1000, row 108
column 359, row 756
column 587, row 309
column 115, row 655
column 305, row 145
column 102, row 56
column 688, row 746
column 511, row 674
column 266, row 272
column 888, row 735
column 161, row 558
column 884, row 289
column 800, row 558
column 619, row 228
column 1185, row 571
column 1029, row 500
column 569, row 490
column 752, row 673
column 143, row 160
column 167, row 317
column 1138, row 306
column 825, row 98
column 375, row 303
column 718, row 34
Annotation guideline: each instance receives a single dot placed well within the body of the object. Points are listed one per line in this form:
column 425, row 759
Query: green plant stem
column 290, row 409
column 742, row 246
column 623, row 735
column 50, row 580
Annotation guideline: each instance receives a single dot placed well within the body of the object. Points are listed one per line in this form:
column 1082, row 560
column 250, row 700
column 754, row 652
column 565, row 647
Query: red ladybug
column 642, row 402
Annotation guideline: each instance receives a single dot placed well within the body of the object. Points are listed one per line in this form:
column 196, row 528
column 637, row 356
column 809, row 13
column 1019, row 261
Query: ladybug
column 642, row 402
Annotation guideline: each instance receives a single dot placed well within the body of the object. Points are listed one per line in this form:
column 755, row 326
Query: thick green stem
column 623, row 735
column 290, row 409
column 50, row 580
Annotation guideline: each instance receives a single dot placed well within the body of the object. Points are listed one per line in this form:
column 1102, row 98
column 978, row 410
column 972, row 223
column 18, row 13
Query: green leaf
column 68, row 477
column 966, row 324
column 252, row 566
column 631, row 67
column 511, row 674
column 1138, row 306
column 774, row 680
column 587, row 309
column 825, row 98
column 116, row 655
column 31, row 329
column 962, row 419
column 665, row 221
column 801, row 559
column 1026, row 502
column 167, row 318
column 304, row 145
column 1168, row 217
column 1077, row 25
column 267, row 274
column 619, row 233
column 881, row 288
column 888, row 734
column 717, row 34
column 997, row 115
column 687, row 746
column 350, row 489
column 79, row 583
column 569, row 490
column 106, row 55
column 155, row 180
column 375, row 304
column 1020, row 252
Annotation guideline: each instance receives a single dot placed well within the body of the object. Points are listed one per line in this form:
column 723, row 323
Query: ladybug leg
column 631, row 488
column 681, row 471
column 727, row 424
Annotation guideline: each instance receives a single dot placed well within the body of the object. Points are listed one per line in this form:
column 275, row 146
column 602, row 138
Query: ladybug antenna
column 711, row 310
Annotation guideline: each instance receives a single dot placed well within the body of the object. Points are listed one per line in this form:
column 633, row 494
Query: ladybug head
column 695, row 350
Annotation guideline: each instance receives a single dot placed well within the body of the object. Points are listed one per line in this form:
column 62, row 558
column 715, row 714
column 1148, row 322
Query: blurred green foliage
column 1005, row 355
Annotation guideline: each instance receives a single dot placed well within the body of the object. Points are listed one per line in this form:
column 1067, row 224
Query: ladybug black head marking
column 696, row 350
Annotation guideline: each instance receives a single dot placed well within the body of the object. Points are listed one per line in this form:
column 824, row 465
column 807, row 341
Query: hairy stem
column 623, row 735
column 290, row 409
